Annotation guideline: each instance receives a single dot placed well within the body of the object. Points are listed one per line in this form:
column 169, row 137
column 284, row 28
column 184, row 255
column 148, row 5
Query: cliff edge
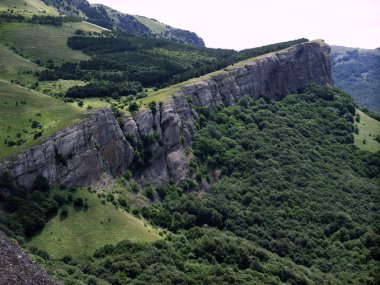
column 81, row 154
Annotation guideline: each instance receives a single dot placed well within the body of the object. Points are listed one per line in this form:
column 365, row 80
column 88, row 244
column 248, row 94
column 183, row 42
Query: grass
column 14, row 67
column 96, row 103
column 369, row 128
column 58, row 87
column 16, row 117
column 28, row 7
column 84, row 231
column 87, row 27
column 164, row 94
column 43, row 42
column 155, row 26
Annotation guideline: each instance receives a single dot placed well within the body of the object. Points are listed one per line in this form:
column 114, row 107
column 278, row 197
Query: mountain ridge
column 109, row 18
column 270, row 76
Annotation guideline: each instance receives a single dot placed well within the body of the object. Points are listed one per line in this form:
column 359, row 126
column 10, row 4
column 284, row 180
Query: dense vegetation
column 152, row 62
column 41, row 20
column 105, row 89
column 357, row 71
column 292, row 182
column 289, row 199
column 27, row 212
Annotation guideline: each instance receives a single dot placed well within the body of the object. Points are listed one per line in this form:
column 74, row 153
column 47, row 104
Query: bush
column 36, row 125
column 60, row 199
column 40, row 184
column 78, row 202
column 67, row 259
column 133, row 107
column 64, row 213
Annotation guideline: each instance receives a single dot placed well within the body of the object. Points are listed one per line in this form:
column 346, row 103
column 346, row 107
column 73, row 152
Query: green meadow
column 84, row 231
column 20, row 106
column 44, row 42
column 15, row 67
column 369, row 129
column 27, row 7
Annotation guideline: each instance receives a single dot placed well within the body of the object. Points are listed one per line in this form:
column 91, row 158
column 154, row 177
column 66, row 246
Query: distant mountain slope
column 27, row 7
column 357, row 71
column 111, row 19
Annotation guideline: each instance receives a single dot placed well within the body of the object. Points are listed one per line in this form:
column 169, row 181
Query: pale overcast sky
column 240, row 24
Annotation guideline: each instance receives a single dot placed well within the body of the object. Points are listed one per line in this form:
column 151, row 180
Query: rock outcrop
column 77, row 155
column 17, row 268
column 81, row 154
column 273, row 76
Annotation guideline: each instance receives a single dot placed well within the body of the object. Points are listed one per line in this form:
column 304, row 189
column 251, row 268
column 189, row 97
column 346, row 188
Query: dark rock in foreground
column 17, row 268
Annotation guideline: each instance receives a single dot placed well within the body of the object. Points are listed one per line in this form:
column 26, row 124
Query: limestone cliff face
column 273, row 76
column 77, row 155
column 81, row 154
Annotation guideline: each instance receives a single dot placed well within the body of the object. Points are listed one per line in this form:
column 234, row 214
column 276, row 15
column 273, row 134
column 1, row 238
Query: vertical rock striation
column 77, row 155
column 81, row 154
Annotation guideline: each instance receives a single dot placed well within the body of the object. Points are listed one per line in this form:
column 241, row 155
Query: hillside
column 111, row 19
column 27, row 7
column 357, row 71
column 85, row 230
column 260, row 161
column 132, row 154
column 28, row 117
column 368, row 136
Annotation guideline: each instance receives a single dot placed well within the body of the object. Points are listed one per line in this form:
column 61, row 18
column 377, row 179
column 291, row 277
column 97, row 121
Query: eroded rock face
column 98, row 146
column 76, row 155
column 17, row 268
column 273, row 76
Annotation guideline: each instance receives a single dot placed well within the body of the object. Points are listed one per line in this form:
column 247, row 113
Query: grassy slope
column 13, row 67
column 55, row 115
column 369, row 128
column 28, row 7
column 43, row 41
column 155, row 26
column 58, row 87
column 82, row 232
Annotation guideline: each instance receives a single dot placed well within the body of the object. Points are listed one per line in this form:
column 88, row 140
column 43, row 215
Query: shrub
column 60, row 199
column 64, row 213
column 35, row 125
column 133, row 107
column 78, row 202
column 40, row 184
column 127, row 175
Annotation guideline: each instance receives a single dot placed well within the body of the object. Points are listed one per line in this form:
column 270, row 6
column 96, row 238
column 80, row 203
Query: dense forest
column 357, row 71
column 278, row 194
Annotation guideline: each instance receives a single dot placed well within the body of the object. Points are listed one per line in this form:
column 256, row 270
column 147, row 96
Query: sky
column 240, row 24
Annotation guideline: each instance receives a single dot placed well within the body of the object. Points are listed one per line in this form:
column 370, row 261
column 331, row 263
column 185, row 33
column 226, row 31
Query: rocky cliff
column 17, row 268
column 81, row 154
column 77, row 155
